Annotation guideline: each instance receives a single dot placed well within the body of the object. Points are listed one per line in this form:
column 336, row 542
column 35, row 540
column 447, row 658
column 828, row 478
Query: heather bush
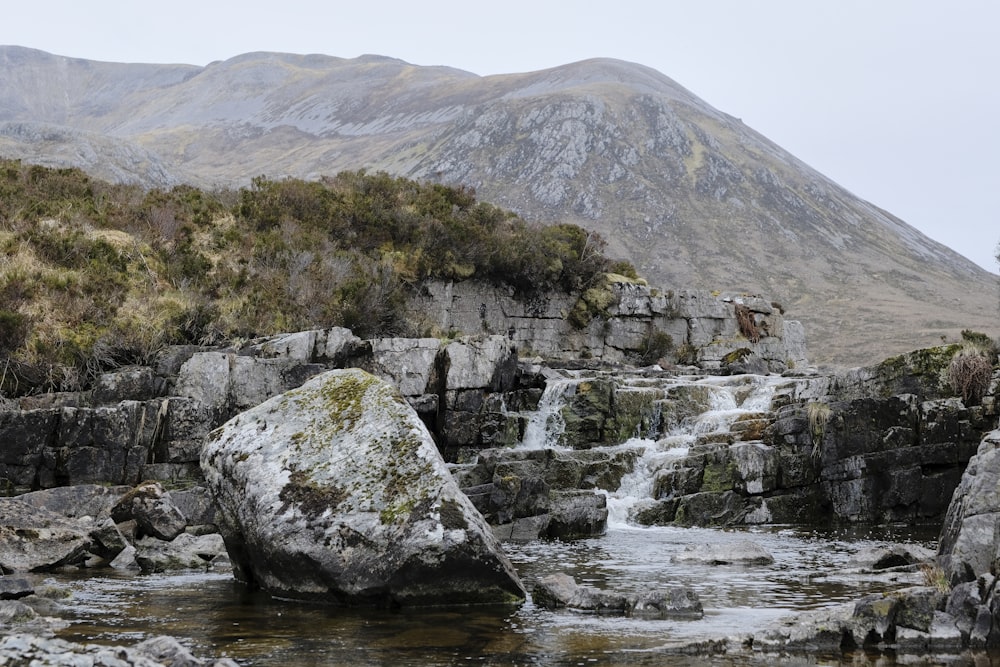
column 96, row 275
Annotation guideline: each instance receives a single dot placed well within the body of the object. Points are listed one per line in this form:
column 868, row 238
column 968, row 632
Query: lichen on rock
column 335, row 491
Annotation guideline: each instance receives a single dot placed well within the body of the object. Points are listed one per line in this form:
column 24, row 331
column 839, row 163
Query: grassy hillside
column 96, row 275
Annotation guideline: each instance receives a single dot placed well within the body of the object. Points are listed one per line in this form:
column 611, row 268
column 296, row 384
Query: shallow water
column 812, row 569
column 218, row 617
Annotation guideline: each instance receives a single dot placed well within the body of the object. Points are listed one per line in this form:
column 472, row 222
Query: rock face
column 335, row 492
column 90, row 525
column 637, row 322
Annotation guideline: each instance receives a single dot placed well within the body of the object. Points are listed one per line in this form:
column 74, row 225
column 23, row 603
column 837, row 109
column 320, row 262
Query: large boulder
column 335, row 492
column 970, row 541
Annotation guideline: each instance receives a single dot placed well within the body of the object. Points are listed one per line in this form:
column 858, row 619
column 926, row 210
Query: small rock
column 674, row 602
column 153, row 510
column 13, row 588
column 742, row 552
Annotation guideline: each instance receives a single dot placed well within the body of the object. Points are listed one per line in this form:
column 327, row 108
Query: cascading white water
column 545, row 425
column 638, row 484
column 727, row 402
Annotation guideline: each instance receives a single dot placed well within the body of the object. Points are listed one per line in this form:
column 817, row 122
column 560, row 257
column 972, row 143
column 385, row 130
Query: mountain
column 692, row 196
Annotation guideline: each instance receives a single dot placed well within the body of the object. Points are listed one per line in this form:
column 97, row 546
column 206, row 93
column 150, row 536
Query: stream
column 216, row 616
column 812, row 569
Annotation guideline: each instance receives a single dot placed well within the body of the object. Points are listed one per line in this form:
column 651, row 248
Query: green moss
column 719, row 477
column 345, row 397
column 394, row 513
column 308, row 496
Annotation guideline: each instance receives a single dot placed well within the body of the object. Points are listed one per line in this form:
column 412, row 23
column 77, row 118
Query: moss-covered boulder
column 335, row 492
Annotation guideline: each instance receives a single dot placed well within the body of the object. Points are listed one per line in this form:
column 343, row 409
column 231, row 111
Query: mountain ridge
column 691, row 195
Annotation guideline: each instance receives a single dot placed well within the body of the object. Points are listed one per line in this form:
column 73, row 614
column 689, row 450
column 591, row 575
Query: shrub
column 747, row 323
column 818, row 414
column 969, row 374
column 655, row 346
column 13, row 330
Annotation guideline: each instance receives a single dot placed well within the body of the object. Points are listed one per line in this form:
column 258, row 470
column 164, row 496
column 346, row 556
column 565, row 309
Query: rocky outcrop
column 969, row 548
column 876, row 445
column 335, row 492
column 151, row 422
column 89, row 526
column 629, row 322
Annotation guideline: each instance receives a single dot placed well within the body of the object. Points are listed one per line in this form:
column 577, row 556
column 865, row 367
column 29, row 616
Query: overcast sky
column 896, row 100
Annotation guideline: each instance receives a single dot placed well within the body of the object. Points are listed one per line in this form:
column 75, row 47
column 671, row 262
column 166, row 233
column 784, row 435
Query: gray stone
column 33, row 539
column 93, row 500
column 185, row 552
column 576, row 514
column 134, row 383
column 674, row 602
column 560, row 591
column 556, row 591
column 335, row 492
column 406, row 362
column 153, row 510
column 13, row 587
column 737, row 552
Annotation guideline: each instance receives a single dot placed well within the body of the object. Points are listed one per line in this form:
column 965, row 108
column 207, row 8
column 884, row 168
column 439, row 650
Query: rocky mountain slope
column 690, row 195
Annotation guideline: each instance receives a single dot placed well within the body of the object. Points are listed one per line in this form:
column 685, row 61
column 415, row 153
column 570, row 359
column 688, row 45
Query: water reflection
column 219, row 617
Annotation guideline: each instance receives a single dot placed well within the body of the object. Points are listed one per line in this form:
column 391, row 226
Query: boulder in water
column 560, row 591
column 335, row 492
column 739, row 552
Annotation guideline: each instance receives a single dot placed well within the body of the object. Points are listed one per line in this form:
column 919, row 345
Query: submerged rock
column 560, row 591
column 335, row 492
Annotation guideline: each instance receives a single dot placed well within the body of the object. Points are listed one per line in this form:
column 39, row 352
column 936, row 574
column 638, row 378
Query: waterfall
column 728, row 399
column 545, row 425
column 638, row 484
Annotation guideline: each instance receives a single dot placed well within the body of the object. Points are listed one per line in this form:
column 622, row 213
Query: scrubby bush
column 96, row 275
column 971, row 367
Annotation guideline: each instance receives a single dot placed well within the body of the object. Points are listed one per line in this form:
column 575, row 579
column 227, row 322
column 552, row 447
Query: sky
column 896, row 100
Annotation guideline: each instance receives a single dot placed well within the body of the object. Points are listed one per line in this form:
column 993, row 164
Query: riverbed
column 216, row 616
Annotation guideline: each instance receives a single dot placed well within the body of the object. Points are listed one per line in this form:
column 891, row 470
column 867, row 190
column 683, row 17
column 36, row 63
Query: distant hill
column 692, row 196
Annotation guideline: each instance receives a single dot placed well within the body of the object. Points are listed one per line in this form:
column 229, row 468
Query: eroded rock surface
column 335, row 492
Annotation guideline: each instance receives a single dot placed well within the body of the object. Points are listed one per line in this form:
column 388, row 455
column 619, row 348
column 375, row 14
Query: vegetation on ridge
column 96, row 275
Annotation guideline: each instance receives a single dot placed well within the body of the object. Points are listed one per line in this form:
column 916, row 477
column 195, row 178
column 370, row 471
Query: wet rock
column 169, row 651
column 13, row 588
column 576, row 514
column 895, row 556
column 335, row 492
column 25, row 649
column 524, row 483
column 917, row 607
column 874, row 619
column 560, row 591
column 675, row 602
column 556, row 591
column 153, row 510
column 15, row 612
column 185, row 552
column 740, row 552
